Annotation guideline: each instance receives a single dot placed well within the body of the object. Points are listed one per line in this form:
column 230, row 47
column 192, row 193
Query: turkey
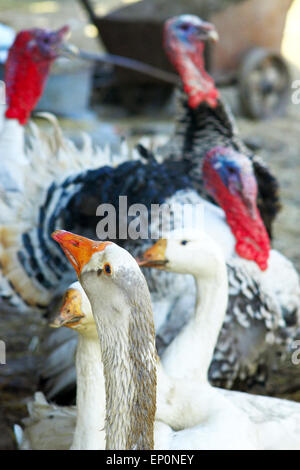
column 31, row 160
column 31, row 163
column 66, row 195
column 31, row 55
column 203, row 119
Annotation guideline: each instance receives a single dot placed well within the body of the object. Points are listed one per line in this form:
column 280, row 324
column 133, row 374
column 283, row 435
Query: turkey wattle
column 236, row 192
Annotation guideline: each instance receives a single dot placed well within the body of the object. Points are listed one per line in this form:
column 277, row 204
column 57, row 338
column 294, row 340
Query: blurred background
column 255, row 64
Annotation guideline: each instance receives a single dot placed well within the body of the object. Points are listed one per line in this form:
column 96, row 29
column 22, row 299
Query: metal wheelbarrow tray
column 248, row 51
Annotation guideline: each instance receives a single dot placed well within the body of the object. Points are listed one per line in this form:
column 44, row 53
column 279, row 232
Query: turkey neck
column 198, row 130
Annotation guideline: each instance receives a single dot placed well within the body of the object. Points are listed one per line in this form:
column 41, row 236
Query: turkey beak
column 154, row 257
column 213, row 35
column 248, row 194
column 77, row 249
column 68, row 49
column 70, row 313
column 58, row 37
column 60, row 33
column 208, row 32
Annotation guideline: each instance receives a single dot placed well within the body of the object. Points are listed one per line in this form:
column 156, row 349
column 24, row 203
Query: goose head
column 107, row 273
column 186, row 252
column 184, row 38
column 120, row 301
column 76, row 312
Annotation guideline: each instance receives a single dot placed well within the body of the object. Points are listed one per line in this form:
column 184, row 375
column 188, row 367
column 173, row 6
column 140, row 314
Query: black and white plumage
column 270, row 329
column 55, row 174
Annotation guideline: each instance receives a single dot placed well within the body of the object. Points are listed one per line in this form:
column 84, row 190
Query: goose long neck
column 90, row 395
column 211, row 304
column 190, row 354
column 129, row 364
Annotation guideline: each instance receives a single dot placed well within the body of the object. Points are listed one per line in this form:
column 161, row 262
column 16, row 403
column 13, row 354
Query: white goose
column 217, row 422
column 90, row 392
column 55, row 427
column 121, row 307
column 190, row 353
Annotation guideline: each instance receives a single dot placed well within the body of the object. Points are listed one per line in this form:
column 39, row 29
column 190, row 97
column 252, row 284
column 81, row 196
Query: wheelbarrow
column 248, row 53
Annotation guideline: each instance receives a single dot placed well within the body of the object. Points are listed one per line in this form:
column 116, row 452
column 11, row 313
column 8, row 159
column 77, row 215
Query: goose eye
column 107, row 269
column 184, row 242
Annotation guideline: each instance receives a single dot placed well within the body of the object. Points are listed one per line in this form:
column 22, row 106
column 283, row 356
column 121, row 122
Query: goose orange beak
column 155, row 257
column 70, row 313
column 78, row 249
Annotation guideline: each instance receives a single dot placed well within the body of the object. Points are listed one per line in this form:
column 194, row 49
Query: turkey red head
column 27, row 69
column 229, row 179
column 184, row 38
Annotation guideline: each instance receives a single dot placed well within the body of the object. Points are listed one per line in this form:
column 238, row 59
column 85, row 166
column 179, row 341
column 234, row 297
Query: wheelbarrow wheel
column 264, row 84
